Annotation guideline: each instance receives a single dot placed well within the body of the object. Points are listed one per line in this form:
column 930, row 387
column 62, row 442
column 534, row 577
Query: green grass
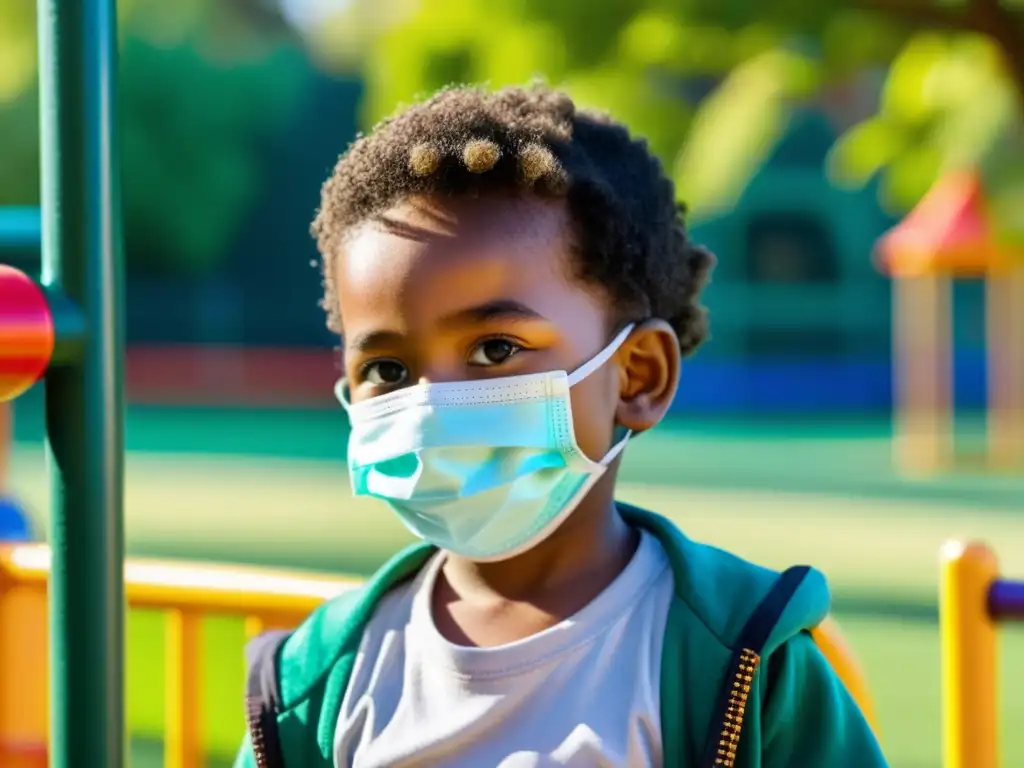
column 827, row 499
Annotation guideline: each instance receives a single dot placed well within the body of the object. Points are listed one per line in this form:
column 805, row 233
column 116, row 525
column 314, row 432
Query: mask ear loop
column 341, row 392
column 592, row 365
column 601, row 357
column 616, row 449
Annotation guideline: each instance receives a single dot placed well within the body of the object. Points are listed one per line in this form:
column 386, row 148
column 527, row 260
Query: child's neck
column 490, row 604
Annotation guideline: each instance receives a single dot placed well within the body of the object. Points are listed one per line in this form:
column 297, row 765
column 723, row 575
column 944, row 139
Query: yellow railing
column 186, row 592
column 973, row 600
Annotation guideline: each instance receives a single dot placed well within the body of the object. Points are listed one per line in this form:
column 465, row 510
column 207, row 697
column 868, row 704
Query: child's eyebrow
column 499, row 309
column 374, row 340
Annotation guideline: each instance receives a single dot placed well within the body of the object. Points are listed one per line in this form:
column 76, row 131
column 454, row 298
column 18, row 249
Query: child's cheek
column 594, row 402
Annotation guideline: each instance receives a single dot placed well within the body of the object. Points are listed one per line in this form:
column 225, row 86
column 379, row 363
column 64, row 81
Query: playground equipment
column 81, row 251
column 67, row 328
column 13, row 524
column 19, row 237
column 972, row 600
column 188, row 593
column 26, row 343
column 948, row 236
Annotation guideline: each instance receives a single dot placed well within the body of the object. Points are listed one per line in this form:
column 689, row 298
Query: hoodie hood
column 723, row 590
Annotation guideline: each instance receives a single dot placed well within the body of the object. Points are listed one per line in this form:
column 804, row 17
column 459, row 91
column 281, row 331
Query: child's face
column 467, row 289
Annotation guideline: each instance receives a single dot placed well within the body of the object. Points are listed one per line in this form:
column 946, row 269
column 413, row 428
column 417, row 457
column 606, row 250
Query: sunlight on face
column 477, row 288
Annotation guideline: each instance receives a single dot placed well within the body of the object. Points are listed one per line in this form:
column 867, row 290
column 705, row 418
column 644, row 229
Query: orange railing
column 186, row 592
column 833, row 646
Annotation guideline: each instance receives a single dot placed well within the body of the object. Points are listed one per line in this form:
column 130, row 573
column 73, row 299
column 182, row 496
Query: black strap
column 762, row 621
column 263, row 697
column 751, row 640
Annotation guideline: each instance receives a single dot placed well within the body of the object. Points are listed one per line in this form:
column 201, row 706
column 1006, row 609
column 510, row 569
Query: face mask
column 485, row 469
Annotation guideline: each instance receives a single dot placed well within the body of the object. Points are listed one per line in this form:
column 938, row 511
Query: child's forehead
column 432, row 244
column 422, row 261
column 492, row 216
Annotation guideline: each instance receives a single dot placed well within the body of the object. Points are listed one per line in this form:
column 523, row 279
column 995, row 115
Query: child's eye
column 385, row 373
column 493, row 352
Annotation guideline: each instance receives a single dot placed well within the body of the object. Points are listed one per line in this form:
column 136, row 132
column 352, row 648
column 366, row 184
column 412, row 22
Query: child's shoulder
column 335, row 629
column 721, row 590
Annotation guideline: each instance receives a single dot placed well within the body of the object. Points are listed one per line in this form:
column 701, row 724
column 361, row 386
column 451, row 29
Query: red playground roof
column 948, row 232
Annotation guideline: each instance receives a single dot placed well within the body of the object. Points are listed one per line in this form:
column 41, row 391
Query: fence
column 185, row 592
column 972, row 601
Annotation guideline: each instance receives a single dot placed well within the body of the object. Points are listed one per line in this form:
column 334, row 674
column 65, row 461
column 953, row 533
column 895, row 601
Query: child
column 515, row 289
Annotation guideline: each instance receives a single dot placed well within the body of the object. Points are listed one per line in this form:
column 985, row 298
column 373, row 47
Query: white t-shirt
column 583, row 693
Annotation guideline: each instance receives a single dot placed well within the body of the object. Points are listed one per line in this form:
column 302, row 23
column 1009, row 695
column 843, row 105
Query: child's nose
column 440, row 369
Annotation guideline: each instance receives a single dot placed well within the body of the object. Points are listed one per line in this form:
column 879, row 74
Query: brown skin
column 465, row 289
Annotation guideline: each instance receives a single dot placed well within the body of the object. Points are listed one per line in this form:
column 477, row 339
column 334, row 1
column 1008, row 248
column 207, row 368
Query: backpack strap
column 263, row 697
column 724, row 738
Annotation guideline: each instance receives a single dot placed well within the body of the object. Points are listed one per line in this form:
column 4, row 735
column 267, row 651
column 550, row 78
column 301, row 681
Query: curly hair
column 629, row 233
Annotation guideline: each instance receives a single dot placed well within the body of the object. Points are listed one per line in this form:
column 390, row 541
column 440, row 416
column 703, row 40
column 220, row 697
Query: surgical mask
column 484, row 469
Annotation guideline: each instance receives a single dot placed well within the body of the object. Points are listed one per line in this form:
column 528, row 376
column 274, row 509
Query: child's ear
column 649, row 363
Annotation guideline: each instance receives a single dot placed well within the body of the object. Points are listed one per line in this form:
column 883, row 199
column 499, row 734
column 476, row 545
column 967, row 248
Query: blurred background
column 798, row 132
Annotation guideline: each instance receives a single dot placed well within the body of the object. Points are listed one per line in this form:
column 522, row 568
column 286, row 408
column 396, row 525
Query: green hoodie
column 737, row 661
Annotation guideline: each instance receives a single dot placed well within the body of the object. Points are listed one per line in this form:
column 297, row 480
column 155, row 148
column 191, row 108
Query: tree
column 204, row 83
column 952, row 98
column 712, row 82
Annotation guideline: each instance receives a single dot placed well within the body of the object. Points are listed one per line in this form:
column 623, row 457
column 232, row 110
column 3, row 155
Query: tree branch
column 1007, row 30
column 918, row 13
column 988, row 17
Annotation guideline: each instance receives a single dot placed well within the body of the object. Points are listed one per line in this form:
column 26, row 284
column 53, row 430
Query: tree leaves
column 947, row 100
column 866, row 149
column 17, row 48
column 908, row 95
column 946, row 104
column 737, row 126
column 710, row 83
column 202, row 86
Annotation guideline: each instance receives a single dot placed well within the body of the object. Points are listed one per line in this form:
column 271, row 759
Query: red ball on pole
column 26, row 332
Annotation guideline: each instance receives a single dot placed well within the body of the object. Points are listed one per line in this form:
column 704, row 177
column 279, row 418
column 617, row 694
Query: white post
column 923, row 373
column 1005, row 337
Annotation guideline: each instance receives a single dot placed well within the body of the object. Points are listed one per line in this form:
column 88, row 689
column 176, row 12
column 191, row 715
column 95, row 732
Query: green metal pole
column 82, row 259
